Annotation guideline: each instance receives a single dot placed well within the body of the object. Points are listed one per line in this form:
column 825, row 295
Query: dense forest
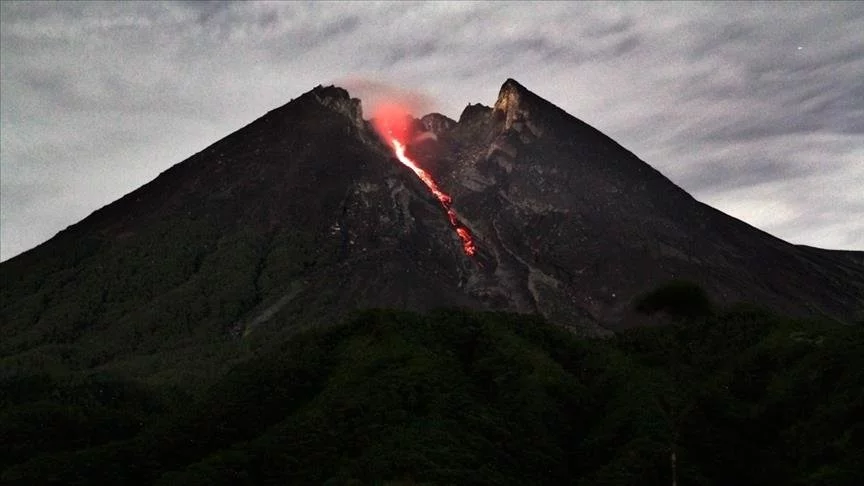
column 713, row 397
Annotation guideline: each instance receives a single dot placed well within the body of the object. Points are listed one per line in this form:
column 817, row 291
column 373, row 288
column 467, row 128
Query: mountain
column 580, row 222
column 306, row 214
column 208, row 328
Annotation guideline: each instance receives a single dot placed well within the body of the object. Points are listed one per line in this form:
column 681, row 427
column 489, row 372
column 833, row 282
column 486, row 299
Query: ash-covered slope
column 305, row 214
column 576, row 220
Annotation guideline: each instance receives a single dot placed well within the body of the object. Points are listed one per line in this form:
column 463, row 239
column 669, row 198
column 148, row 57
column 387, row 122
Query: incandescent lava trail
column 392, row 123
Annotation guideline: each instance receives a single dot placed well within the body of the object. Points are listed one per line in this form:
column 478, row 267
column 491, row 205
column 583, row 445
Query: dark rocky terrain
column 305, row 214
column 203, row 328
column 575, row 225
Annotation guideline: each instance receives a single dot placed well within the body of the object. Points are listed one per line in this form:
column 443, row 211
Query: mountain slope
column 583, row 220
column 289, row 211
column 304, row 215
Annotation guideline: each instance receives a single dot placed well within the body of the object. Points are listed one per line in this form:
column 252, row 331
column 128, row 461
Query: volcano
column 307, row 214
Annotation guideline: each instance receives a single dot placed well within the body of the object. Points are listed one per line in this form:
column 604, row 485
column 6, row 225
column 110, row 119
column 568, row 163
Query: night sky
column 754, row 108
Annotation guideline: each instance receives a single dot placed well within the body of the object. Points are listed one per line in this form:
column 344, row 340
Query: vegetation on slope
column 451, row 397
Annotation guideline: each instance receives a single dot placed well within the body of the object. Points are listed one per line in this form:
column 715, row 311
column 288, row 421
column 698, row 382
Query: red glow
column 392, row 120
column 393, row 123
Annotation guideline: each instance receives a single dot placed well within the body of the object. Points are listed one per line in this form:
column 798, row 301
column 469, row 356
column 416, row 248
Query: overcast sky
column 754, row 108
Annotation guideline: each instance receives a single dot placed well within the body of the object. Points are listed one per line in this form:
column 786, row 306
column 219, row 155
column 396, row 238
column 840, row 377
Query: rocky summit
column 305, row 215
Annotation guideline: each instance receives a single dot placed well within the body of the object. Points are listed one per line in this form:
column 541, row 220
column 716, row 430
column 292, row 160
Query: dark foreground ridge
column 464, row 398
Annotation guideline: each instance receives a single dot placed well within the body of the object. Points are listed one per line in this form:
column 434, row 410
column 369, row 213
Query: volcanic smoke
column 393, row 124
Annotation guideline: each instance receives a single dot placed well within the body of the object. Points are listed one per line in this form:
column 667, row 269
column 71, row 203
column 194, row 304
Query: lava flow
column 391, row 121
column 445, row 200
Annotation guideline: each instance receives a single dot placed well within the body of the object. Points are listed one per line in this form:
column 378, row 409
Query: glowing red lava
column 445, row 200
column 393, row 124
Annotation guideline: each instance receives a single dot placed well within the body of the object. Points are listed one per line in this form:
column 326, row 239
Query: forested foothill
column 735, row 395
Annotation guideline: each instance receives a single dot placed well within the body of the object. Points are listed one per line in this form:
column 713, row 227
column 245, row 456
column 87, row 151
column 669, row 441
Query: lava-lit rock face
column 310, row 214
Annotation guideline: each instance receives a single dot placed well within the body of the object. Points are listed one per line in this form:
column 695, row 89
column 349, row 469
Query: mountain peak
column 332, row 91
column 305, row 215
column 512, row 85
column 338, row 100
column 510, row 96
column 517, row 107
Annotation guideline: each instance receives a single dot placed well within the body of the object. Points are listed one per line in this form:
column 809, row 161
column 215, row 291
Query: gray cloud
column 757, row 108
